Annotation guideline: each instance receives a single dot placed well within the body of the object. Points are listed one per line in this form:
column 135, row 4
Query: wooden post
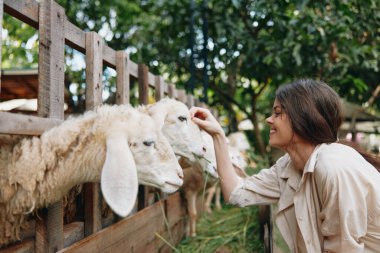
column 94, row 73
column 122, row 78
column 49, row 232
column 181, row 94
column 172, row 91
column 190, row 101
column 143, row 84
column 159, row 87
column 1, row 39
column 144, row 198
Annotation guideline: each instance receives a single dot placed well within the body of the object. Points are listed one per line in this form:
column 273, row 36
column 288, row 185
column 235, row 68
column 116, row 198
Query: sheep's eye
column 148, row 143
column 182, row 118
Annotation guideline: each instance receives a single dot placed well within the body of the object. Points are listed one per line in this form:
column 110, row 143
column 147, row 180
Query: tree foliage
column 253, row 46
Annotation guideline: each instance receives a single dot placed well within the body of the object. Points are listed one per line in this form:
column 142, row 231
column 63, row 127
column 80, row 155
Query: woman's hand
column 205, row 120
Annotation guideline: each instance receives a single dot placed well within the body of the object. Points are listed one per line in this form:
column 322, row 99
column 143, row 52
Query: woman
column 328, row 195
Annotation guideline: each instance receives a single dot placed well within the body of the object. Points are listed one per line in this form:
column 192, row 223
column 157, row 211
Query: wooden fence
column 144, row 231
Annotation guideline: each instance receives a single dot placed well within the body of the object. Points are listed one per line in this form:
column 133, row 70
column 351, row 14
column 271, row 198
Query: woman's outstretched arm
column 206, row 121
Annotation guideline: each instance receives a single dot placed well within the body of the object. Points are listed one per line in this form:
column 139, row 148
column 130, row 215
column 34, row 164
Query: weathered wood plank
column 172, row 91
column 109, row 56
column 144, row 199
column 27, row 246
column 51, row 60
column 122, row 78
column 72, row 233
column 143, row 84
column 1, row 39
column 159, row 88
column 26, row 11
column 94, row 70
column 51, row 104
column 75, row 37
column 94, row 88
column 190, row 101
column 135, row 233
column 181, row 95
column 12, row 123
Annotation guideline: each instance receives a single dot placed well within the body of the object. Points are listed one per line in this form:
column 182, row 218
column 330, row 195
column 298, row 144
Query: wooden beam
column 26, row 11
column 136, row 233
column 12, row 123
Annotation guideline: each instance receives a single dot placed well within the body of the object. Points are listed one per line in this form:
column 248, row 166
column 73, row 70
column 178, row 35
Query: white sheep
column 182, row 133
column 116, row 145
column 196, row 180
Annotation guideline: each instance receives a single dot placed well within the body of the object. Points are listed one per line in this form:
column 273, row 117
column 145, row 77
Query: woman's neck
column 300, row 153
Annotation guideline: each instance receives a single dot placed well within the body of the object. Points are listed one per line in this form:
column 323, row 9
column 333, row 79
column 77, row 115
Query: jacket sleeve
column 262, row 188
column 344, row 211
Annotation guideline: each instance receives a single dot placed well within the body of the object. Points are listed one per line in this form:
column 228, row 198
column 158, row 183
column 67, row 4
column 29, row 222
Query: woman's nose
column 269, row 120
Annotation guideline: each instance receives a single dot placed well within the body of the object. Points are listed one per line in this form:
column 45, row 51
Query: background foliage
column 253, row 47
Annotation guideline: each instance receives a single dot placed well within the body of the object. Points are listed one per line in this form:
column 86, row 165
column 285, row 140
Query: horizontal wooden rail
column 140, row 232
column 12, row 123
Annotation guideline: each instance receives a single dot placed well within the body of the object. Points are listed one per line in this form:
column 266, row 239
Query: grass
column 232, row 229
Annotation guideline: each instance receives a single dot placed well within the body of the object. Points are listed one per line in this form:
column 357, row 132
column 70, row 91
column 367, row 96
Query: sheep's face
column 182, row 133
column 208, row 163
column 155, row 160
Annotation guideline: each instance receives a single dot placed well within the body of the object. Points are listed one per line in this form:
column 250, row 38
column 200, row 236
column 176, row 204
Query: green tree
column 253, row 46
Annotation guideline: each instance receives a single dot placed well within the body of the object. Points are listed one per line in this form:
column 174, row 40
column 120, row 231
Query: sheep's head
column 136, row 152
column 237, row 158
column 156, row 162
column 183, row 134
column 208, row 163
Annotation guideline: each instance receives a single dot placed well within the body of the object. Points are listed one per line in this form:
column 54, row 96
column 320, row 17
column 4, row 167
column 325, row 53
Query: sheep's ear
column 119, row 183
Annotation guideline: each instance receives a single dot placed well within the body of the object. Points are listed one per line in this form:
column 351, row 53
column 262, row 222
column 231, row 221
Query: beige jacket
column 335, row 202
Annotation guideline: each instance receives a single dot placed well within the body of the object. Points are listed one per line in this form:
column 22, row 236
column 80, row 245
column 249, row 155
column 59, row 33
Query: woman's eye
column 182, row 118
column 276, row 114
column 148, row 143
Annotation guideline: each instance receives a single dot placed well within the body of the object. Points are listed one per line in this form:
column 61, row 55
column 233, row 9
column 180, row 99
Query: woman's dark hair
column 315, row 112
column 314, row 109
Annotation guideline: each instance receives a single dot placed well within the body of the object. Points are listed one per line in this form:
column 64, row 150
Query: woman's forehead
column 276, row 103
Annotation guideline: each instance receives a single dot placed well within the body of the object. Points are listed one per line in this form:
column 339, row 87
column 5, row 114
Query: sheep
column 173, row 118
column 182, row 133
column 116, row 145
column 195, row 181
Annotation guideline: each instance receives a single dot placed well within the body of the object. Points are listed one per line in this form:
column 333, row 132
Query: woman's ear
column 119, row 183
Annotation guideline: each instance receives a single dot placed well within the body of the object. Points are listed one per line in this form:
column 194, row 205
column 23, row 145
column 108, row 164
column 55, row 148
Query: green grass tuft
column 234, row 229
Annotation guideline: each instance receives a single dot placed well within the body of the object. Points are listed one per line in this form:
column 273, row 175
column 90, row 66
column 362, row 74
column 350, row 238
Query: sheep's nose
column 180, row 174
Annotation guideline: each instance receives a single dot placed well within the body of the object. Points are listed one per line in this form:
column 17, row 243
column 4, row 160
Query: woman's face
column 281, row 132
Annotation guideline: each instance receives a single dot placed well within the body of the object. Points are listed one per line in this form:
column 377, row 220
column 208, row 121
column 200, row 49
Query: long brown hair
column 315, row 112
